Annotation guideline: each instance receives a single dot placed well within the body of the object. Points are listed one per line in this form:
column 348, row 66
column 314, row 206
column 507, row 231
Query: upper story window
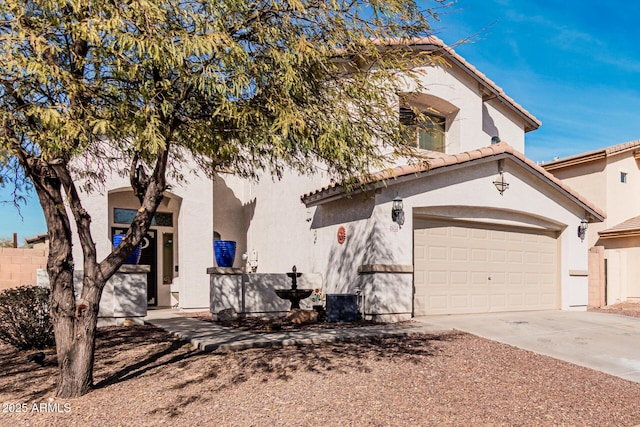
column 623, row 177
column 425, row 132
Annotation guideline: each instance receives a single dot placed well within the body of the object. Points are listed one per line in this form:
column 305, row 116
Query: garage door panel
column 460, row 232
column 438, row 253
column 461, row 269
column 478, row 278
column 498, row 300
column 459, row 278
column 477, row 233
column 497, row 279
column 479, row 254
column 547, row 259
column 438, row 278
column 515, row 278
column 515, row 300
column 459, row 254
column 515, row 257
column 496, row 236
column 437, row 302
column 497, row 255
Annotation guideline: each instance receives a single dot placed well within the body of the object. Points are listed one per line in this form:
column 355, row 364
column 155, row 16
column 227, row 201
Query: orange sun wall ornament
column 342, row 235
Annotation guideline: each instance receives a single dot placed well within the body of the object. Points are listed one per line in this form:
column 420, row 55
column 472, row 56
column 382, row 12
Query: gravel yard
column 146, row 377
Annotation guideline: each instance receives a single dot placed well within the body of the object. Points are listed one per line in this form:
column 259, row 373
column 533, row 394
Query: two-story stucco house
column 610, row 177
column 483, row 229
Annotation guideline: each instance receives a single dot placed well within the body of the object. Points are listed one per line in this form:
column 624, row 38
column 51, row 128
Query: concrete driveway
column 605, row 342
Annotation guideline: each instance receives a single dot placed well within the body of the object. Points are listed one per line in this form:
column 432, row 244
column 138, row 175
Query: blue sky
column 574, row 64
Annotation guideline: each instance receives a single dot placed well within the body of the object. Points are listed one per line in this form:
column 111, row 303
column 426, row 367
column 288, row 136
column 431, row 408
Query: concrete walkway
column 210, row 336
column 604, row 342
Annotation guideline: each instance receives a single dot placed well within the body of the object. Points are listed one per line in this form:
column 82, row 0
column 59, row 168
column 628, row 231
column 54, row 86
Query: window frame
column 624, row 177
column 434, row 126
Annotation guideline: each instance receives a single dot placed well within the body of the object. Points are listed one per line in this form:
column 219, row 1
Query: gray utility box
column 342, row 308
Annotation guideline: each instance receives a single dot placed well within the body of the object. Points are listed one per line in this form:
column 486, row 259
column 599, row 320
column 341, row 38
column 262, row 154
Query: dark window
column 623, row 177
column 425, row 132
column 125, row 216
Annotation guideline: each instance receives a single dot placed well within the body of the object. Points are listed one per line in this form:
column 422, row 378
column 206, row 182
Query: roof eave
column 338, row 192
column 592, row 213
column 575, row 160
column 619, row 234
column 531, row 122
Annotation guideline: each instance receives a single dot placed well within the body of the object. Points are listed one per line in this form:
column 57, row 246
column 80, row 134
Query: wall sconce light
column 500, row 183
column 582, row 229
column 397, row 211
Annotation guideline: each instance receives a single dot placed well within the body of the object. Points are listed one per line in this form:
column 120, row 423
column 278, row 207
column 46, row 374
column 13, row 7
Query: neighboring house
column 39, row 241
column 610, row 177
column 464, row 246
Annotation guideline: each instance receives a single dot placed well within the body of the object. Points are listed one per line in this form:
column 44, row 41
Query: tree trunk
column 75, row 345
column 75, row 319
column 74, row 323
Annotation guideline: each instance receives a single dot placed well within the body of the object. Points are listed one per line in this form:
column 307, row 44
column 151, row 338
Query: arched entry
column 160, row 245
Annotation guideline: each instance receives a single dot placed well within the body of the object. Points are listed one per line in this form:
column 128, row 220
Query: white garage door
column 476, row 269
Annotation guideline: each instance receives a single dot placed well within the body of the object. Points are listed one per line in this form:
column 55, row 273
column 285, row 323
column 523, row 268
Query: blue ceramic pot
column 134, row 258
column 225, row 252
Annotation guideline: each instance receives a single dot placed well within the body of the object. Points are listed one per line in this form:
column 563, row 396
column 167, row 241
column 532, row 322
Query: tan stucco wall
column 590, row 180
column 622, row 200
column 509, row 128
column 623, row 268
column 372, row 238
column 267, row 218
column 475, row 122
column 19, row 266
column 599, row 182
column 193, row 238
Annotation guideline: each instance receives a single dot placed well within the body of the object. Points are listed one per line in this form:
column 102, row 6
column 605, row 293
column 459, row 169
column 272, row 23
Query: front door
column 148, row 257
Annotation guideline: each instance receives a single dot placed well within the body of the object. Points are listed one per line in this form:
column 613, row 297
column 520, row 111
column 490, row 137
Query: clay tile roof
column 588, row 156
column 623, row 147
column 625, row 228
column 445, row 160
column 434, row 43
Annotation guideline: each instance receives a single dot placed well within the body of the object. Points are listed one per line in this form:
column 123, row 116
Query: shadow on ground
column 125, row 354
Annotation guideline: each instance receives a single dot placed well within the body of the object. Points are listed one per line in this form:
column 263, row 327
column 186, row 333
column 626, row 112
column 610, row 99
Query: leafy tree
column 90, row 88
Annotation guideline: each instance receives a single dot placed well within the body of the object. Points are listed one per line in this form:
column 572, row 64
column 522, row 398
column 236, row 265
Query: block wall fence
column 19, row 266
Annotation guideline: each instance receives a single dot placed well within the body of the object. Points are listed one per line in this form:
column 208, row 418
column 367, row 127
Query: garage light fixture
column 500, row 183
column 582, row 228
column 397, row 211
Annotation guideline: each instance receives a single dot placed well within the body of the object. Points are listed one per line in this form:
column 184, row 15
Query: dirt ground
column 631, row 309
column 145, row 377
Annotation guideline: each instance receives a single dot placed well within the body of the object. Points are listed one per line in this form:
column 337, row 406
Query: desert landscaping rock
column 145, row 377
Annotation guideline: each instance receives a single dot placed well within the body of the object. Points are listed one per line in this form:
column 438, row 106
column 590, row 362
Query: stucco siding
column 372, row 238
column 497, row 122
column 267, row 219
column 474, row 122
column 193, row 228
column 621, row 201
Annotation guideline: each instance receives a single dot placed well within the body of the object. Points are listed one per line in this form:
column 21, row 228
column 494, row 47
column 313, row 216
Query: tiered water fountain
column 294, row 294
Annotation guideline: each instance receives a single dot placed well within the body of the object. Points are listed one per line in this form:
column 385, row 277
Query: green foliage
column 242, row 86
column 140, row 88
column 24, row 318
